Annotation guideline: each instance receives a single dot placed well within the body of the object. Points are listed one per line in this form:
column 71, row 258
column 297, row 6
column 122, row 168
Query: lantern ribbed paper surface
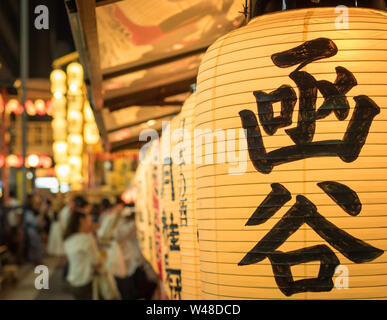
column 142, row 226
column 154, row 219
column 185, row 173
column 306, row 218
column 169, row 211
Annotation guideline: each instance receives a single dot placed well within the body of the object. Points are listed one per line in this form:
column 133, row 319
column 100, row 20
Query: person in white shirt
column 136, row 284
column 82, row 254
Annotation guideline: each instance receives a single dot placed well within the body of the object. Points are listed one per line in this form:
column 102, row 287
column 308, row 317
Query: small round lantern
column 75, row 143
column 58, row 81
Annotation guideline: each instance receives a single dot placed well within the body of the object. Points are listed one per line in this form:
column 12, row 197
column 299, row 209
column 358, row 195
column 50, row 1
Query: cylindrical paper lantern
column 75, row 164
column 169, row 210
column 91, row 133
column 62, row 172
column 74, row 75
column 88, row 112
column 60, row 151
column 75, row 121
column 75, row 144
column 142, row 215
column 40, row 107
column 58, row 81
column 59, row 129
column 32, row 161
column 13, row 160
column 184, row 171
column 59, row 107
column 294, row 206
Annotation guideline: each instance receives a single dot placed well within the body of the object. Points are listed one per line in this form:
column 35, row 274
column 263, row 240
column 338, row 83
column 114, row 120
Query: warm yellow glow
column 40, row 106
column 75, row 163
column 12, row 105
column 58, row 82
column 88, row 112
column 75, row 144
column 74, row 76
column 58, row 95
column 32, row 161
column 74, row 121
column 59, row 128
column 60, row 151
column 91, row 133
column 62, row 172
column 13, row 160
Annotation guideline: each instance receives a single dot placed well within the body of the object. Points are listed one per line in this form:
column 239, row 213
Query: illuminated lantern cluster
column 32, row 161
column 33, row 108
column 286, row 198
column 75, row 101
column 73, row 123
column 59, row 123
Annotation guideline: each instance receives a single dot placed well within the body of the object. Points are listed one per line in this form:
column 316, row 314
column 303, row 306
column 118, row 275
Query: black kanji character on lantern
column 167, row 177
column 304, row 211
column 175, row 287
column 335, row 100
column 183, row 212
column 173, row 235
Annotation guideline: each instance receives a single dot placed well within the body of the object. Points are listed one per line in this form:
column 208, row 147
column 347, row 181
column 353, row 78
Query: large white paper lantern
column 305, row 218
column 184, row 173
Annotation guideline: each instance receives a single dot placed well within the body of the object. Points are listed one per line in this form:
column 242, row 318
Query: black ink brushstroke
column 282, row 261
column 305, row 129
column 347, row 149
column 304, row 211
column 344, row 196
column 288, row 98
column 305, row 53
column 270, row 205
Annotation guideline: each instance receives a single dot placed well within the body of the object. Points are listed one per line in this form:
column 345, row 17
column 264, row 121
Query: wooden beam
column 148, row 96
column 88, row 27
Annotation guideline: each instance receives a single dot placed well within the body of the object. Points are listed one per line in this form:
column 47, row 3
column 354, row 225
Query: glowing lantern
column 74, row 76
column 91, row 133
column 143, row 211
column 62, row 172
column 13, row 160
column 75, row 143
column 75, row 102
column 281, row 221
column 88, row 112
column 32, row 161
column 30, row 108
column 58, row 82
column 13, row 106
column 2, row 161
column 2, row 104
column 184, row 173
column 59, row 107
column 60, row 151
column 59, row 128
column 49, row 107
column 45, row 161
column 74, row 121
column 40, row 107
column 75, row 163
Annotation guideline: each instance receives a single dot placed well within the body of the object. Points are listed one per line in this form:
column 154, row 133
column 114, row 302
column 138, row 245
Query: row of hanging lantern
column 38, row 107
column 32, row 161
column 301, row 215
column 72, row 120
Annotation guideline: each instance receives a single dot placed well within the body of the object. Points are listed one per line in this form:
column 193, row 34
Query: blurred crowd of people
column 96, row 243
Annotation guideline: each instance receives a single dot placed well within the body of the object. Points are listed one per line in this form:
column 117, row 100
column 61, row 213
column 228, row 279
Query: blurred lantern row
column 286, row 196
column 73, row 124
column 32, row 161
column 39, row 107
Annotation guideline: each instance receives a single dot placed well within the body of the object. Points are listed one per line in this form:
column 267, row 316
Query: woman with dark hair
column 82, row 254
column 32, row 229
